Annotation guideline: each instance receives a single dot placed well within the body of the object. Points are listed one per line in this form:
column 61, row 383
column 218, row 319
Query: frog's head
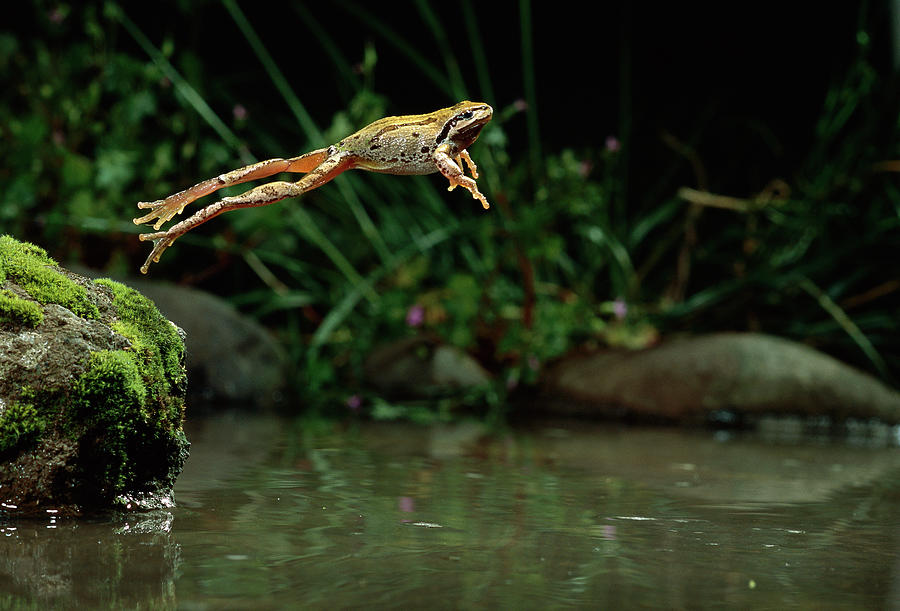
column 464, row 122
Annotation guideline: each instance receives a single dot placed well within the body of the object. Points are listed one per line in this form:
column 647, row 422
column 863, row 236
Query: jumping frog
column 409, row 144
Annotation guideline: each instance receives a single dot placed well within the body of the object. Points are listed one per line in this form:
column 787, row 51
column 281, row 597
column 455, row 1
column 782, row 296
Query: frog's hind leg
column 164, row 209
column 262, row 195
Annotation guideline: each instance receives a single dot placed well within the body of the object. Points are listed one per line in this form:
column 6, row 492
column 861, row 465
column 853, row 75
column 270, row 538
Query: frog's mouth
column 467, row 136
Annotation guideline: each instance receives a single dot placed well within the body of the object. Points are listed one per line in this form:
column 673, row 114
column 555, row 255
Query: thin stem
column 481, row 64
column 534, row 135
column 191, row 96
column 303, row 117
column 430, row 71
column 847, row 324
column 454, row 75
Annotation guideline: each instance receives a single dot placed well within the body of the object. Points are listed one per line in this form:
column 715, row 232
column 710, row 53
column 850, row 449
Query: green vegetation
column 20, row 425
column 110, row 398
column 14, row 309
column 155, row 356
column 577, row 251
column 32, row 269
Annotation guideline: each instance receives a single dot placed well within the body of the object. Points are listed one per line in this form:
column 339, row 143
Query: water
column 281, row 514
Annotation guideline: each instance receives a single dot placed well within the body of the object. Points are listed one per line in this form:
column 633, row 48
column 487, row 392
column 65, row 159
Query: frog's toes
column 155, row 204
column 162, row 210
column 484, row 202
column 161, row 241
column 146, row 237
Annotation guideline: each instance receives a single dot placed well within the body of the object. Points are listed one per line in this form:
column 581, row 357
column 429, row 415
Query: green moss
column 108, row 403
column 20, row 424
column 30, row 267
column 130, row 398
column 157, row 349
column 14, row 309
column 111, row 390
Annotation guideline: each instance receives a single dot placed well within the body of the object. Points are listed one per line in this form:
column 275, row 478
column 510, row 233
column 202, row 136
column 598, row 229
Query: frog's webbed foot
column 452, row 169
column 161, row 241
column 162, row 209
column 471, row 186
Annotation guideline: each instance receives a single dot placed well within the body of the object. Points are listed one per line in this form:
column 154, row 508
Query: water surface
column 276, row 513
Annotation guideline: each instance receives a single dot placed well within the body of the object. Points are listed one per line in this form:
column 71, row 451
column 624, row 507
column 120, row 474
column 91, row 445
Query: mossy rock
column 92, row 387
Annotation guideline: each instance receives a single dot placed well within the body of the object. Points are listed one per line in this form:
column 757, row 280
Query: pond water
column 276, row 513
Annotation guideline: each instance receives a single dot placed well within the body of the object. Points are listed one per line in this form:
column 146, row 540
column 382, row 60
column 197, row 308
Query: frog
column 403, row 145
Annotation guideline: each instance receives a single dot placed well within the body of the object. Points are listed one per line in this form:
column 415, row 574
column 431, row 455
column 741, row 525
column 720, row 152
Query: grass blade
column 303, row 117
column 534, row 134
column 481, row 64
column 454, row 75
column 339, row 312
column 847, row 324
column 309, row 229
column 190, row 94
column 429, row 70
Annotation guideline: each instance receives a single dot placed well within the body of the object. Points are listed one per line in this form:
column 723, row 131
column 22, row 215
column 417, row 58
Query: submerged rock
column 92, row 390
column 741, row 372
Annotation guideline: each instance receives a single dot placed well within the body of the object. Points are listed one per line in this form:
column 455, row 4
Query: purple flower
column 415, row 316
column 239, row 112
column 620, row 308
column 612, row 144
column 407, row 504
column 585, row 167
column 512, row 382
column 354, row 402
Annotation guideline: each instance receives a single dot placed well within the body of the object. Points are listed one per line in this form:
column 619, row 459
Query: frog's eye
column 466, row 115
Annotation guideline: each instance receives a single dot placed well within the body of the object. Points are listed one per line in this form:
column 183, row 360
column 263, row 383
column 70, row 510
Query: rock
column 743, row 372
column 421, row 366
column 230, row 358
column 92, row 389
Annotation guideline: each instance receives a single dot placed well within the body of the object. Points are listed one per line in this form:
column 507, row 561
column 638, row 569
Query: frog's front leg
column 164, row 209
column 262, row 195
column 453, row 171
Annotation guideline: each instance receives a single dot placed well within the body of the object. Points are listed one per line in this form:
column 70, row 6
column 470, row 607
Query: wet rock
column 92, row 388
column 421, row 366
column 690, row 378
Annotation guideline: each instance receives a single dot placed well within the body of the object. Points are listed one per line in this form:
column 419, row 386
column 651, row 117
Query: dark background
column 748, row 79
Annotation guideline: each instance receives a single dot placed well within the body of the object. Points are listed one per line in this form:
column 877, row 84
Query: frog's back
column 395, row 145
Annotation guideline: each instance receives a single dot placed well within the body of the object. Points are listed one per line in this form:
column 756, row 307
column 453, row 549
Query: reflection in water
column 286, row 514
column 88, row 564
